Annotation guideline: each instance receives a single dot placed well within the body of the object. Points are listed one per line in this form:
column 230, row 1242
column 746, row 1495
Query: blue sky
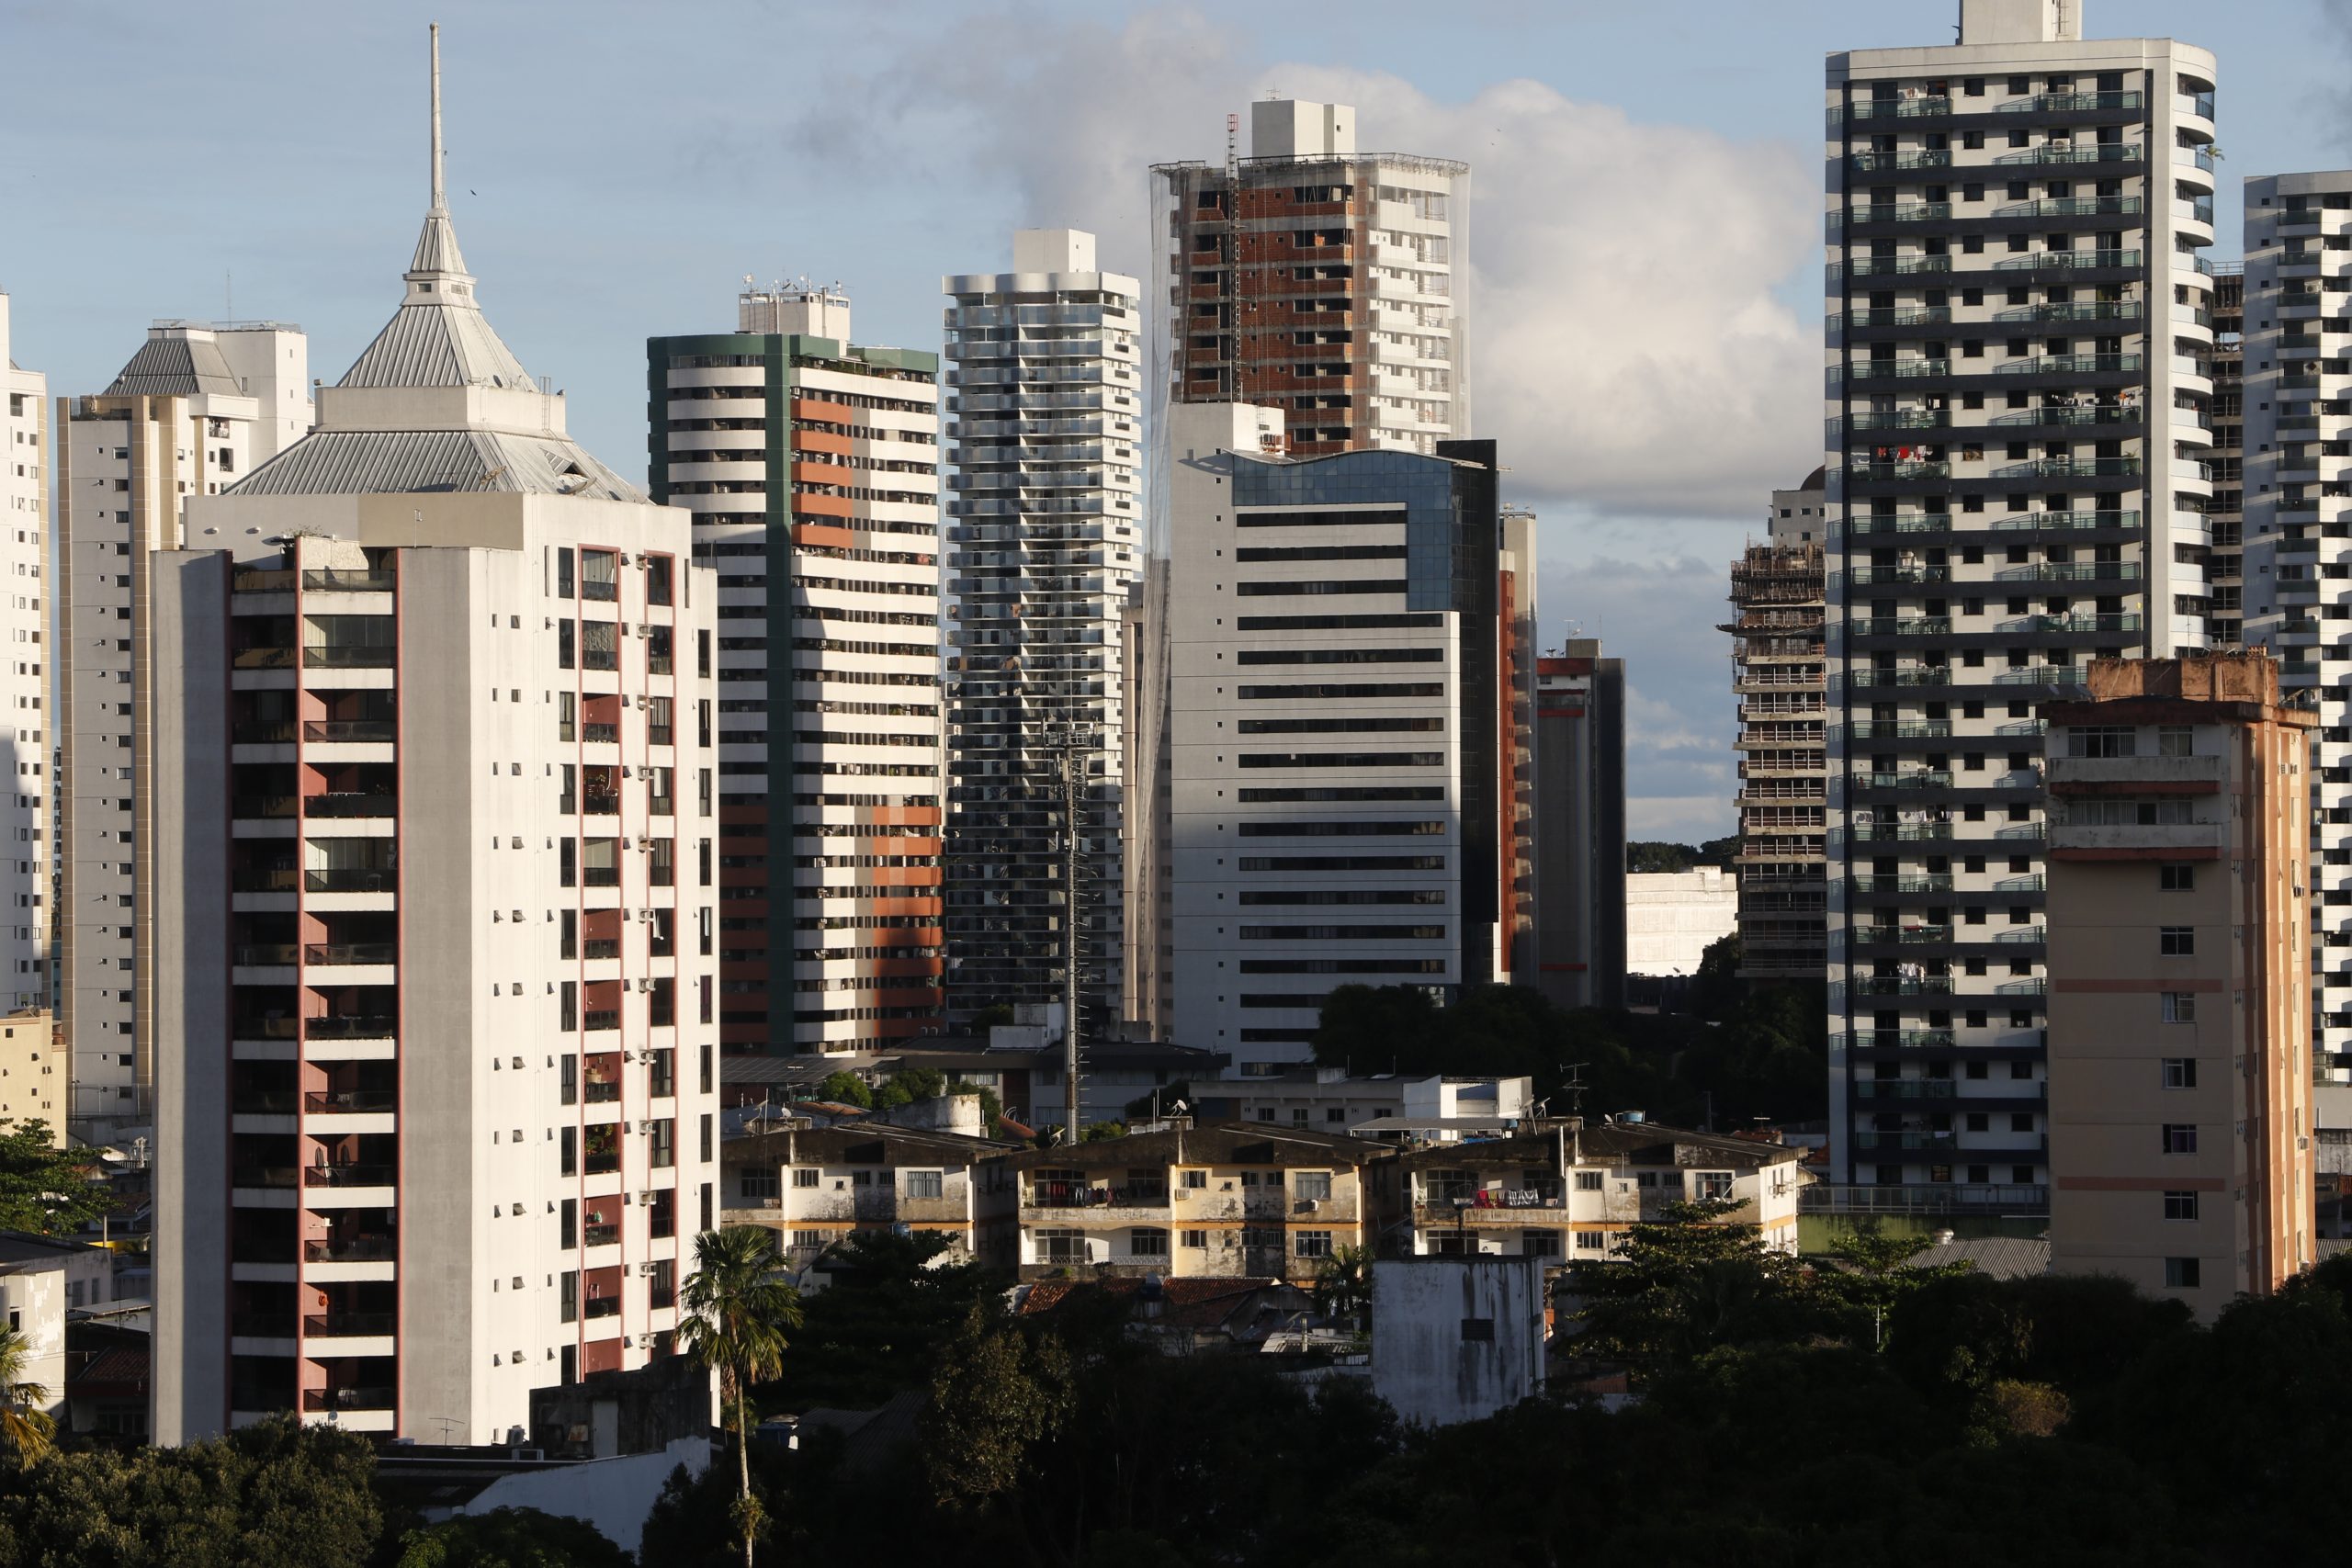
column 1644, row 233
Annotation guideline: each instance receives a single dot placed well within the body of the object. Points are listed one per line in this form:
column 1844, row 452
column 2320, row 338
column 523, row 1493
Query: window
column 1198, row 1240
column 567, row 1225
column 1539, row 1244
column 804, row 1179
column 2180, row 1137
column 2175, row 741
column 566, row 640
column 1588, row 1182
column 1592, row 1241
column 1197, row 1180
column 662, row 1145
column 568, row 1150
column 2179, row 1007
column 599, row 575
column 2180, row 1205
column 2180, row 1273
column 2176, row 878
column 571, row 1279
column 1145, row 1242
column 1314, row 1244
column 756, row 1184
column 564, row 572
column 2176, row 941
column 1315, row 1184
column 1711, row 1185
column 1061, row 1246
column 926, row 1184
column 2180, row 1072
column 2099, row 740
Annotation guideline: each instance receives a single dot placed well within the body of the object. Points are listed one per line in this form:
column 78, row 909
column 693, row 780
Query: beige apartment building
column 2180, row 1070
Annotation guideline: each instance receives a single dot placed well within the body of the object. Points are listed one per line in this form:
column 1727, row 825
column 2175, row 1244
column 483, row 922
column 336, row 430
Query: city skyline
column 1693, row 187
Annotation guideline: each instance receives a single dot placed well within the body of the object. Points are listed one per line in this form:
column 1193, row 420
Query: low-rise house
column 813, row 1186
column 1570, row 1193
column 42, row 1279
column 1225, row 1199
column 1200, row 1315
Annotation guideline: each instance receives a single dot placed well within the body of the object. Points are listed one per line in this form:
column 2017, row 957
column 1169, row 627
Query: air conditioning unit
column 646, row 1197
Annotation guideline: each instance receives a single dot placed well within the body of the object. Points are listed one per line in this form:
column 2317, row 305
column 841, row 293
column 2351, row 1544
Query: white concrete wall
column 614, row 1494
column 1426, row 1361
column 1670, row 916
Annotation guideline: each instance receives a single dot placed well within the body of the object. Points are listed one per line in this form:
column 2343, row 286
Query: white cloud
column 1626, row 348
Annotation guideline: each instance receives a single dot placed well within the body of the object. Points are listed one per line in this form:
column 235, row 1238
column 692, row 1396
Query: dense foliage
column 1653, row 855
column 45, row 1191
column 511, row 1538
column 1741, row 1055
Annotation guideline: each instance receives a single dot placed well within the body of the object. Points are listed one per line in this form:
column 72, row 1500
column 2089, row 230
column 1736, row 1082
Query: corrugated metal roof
column 436, row 246
column 408, row 462
column 175, row 366
column 437, row 345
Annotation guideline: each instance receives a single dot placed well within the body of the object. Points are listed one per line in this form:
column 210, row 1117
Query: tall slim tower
column 1778, row 675
column 2019, row 382
column 811, row 466
column 195, row 410
column 2297, row 346
column 26, row 908
column 1322, row 281
column 1044, row 431
column 433, row 886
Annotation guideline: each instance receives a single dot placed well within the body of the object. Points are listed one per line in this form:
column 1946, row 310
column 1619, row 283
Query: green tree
column 511, row 1538
column 920, row 1083
column 1096, row 1131
column 995, row 1396
column 1646, row 857
column 872, row 1332
column 1693, row 1281
column 1875, row 1272
column 25, row 1424
column 846, row 1088
column 45, row 1191
column 737, row 1310
column 275, row 1494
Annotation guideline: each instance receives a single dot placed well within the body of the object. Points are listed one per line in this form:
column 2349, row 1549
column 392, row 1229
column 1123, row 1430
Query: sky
column 1645, row 231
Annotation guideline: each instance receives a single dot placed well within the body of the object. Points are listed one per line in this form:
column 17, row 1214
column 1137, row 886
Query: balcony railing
column 330, row 729
column 1909, row 1142
column 350, row 656
column 353, row 1249
column 330, row 953
column 1939, row 1198
column 1898, row 1039
column 2075, row 103
column 351, row 880
column 317, row 1399
column 349, row 1325
column 346, row 1176
column 1080, row 1195
column 351, row 1101
column 333, row 580
column 2068, row 261
column 1904, row 1089
column 354, row 804
column 350, row 1026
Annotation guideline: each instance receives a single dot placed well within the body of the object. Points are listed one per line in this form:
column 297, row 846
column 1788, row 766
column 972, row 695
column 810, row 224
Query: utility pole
column 1072, row 788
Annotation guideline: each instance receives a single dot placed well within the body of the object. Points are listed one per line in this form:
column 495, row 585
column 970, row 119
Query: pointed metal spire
column 437, row 247
column 440, row 203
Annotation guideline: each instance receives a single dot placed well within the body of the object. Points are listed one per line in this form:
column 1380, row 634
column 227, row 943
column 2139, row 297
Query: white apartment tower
column 2018, row 404
column 1045, row 544
column 1336, row 776
column 25, row 907
column 196, row 408
column 432, row 879
column 810, row 465
column 2298, row 352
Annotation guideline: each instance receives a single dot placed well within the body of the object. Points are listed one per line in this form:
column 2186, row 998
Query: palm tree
column 1343, row 1283
column 737, row 1309
column 23, row 1422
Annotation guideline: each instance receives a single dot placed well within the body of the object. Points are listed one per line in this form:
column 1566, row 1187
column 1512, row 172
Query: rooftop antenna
column 439, row 205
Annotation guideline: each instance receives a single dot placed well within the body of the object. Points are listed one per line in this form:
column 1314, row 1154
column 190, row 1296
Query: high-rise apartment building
column 26, row 908
column 1581, row 842
column 195, row 410
column 2180, row 1088
column 1045, row 544
column 812, row 467
column 1322, row 281
column 432, row 872
column 2225, row 519
column 1516, row 822
column 1779, row 678
column 2298, row 530
column 1335, row 715
column 2020, row 385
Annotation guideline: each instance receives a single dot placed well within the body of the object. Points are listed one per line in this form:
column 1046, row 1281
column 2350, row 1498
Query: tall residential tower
column 2019, row 383
column 195, row 410
column 26, row 908
column 1044, row 430
column 812, row 467
column 1319, row 280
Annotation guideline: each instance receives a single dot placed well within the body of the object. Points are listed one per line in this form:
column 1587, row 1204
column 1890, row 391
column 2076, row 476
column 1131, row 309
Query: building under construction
column 1780, row 676
column 1321, row 281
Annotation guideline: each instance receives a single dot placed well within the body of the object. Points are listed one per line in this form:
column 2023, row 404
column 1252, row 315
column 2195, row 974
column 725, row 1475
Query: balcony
column 1920, row 108
column 2095, row 310
column 1908, row 1142
column 353, row 1249
column 329, row 954
column 2079, row 103
column 1897, row 985
column 2075, row 206
column 333, row 580
column 347, row 1176
column 2070, row 261
column 1824, row 1198
column 350, row 879
column 1904, row 1089
column 1898, row 1039
column 349, row 1026
column 351, row 1101
column 347, row 806
column 1878, row 162
column 2109, row 153
column 349, row 655
column 349, row 1325
column 340, row 1399
column 350, row 729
